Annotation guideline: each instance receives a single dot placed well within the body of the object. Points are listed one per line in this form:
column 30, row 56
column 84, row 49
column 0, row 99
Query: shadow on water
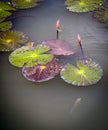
column 47, row 106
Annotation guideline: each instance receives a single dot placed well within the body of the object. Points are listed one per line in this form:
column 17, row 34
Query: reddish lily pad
column 86, row 73
column 41, row 73
column 59, row 47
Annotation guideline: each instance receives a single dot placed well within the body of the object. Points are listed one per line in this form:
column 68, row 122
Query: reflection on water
column 44, row 106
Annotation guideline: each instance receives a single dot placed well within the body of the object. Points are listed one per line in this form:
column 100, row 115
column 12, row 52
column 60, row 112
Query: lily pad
column 5, row 9
column 83, row 75
column 83, row 5
column 12, row 40
column 22, row 4
column 59, row 47
column 101, row 14
column 41, row 73
column 5, row 26
column 30, row 56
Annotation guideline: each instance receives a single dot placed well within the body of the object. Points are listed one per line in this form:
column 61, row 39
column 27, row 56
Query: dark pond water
column 47, row 106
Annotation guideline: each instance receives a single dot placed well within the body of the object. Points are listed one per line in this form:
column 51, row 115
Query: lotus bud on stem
column 58, row 28
column 79, row 42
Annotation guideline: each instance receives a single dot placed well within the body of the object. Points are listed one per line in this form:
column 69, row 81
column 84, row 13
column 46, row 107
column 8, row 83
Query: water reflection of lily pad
column 26, row 3
column 4, row 9
column 59, row 47
column 101, row 14
column 41, row 73
column 83, row 75
column 12, row 40
column 5, row 26
column 30, row 56
column 83, row 5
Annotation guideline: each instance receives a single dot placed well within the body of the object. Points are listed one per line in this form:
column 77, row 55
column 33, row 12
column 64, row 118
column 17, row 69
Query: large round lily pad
column 41, row 73
column 30, row 56
column 83, row 5
column 25, row 3
column 83, row 74
column 11, row 40
column 101, row 14
column 59, row 47
column 4, row 9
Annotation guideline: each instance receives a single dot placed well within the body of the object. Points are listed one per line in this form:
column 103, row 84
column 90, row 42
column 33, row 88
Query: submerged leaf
column 41, row 73
column 83, row 5
column 25, row 3
column 83, row 75
column 30, row 56
column 59, row 47
column 101, row 14
column 12, row 40
column 4, row 9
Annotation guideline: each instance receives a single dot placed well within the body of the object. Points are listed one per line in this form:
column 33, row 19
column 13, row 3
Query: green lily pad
column 83, row 5
column 101, row 14
column 83, row 75
column 4, row 9
column 12, row 40
column 5, row 26
column 30, row 56
column 22, row 4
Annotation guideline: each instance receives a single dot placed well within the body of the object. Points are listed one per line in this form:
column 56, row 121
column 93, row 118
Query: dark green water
column 47, row 106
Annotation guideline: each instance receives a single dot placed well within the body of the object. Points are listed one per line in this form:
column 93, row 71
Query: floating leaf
column 59, row 47
column 25, row 3
column 83, row 5
column 41, row 73
column 101, row 14
column 5, row 26
column 4, row 9
column 83, row 75
column 12, row 40
column 30, row 56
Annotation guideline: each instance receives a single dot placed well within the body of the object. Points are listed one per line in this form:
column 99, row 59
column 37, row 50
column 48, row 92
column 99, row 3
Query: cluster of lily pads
column 99, row 9
column 10, row 40
column 41, row 63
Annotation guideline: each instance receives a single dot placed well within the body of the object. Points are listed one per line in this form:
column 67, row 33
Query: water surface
column 47, row 106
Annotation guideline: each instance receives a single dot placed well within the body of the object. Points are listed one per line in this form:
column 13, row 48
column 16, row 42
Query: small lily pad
column 30, row 56
column 83, row 75
column 12, row 40
column 41, row 73
column 5, row 26
column 59, row 47
column 5, row 9
column 101, row 14
column 83, row 5
column 22, row 4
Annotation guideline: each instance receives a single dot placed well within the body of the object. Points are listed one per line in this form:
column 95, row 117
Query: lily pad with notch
column 83, row 5
column 84, row 74
column 30, row 56
column 5, row 9
column 59, row 47
column 41, row 73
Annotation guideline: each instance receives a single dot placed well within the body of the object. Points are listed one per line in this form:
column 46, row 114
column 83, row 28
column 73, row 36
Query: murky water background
column 47, row 106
